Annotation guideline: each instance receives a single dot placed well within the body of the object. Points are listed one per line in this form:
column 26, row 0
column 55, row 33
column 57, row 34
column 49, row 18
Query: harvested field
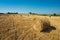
column 28, row 27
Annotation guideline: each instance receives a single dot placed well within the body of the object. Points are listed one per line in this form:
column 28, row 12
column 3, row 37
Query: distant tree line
column 1, row 13
column 32, row 13
column 12, row 13
column 9, row 13
column 54, row 14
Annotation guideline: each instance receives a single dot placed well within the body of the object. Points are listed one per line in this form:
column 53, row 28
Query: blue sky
column 25, row 6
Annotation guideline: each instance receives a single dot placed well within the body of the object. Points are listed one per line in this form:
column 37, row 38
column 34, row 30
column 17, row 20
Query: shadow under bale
column 49, row 29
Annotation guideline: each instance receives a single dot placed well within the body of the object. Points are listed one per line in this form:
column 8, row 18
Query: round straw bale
column 36, row 24
column 40, row 24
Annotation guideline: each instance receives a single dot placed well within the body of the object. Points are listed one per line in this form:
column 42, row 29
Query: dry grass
column 28, row 27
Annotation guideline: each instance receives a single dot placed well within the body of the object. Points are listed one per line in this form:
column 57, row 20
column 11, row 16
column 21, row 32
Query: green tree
column 30, row 12
column 54, row 14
